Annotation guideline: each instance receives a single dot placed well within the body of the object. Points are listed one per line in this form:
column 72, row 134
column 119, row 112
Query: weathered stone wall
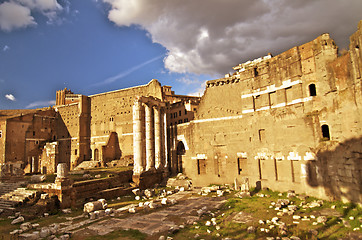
column 68, row 130
column 111, row 151
column 112, row 113
column 292, row 121
column 24, row 136
column 49, row 158
column 90, row 188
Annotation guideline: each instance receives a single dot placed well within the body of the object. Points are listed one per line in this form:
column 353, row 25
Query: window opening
column 261, row 135
column 241, row 165
column 201, row 166
column 256, row 73
column 325, row 132
column 312, row 90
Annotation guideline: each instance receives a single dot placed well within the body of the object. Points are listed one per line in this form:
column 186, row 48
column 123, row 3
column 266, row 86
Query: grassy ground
column 258, row 209
column 254, row 209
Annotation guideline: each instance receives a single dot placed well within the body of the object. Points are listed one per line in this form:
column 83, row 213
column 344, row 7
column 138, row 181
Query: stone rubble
column 95, row 205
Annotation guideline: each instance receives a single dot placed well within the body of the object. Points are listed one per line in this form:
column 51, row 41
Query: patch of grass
column 121, row 234
column 6, row 228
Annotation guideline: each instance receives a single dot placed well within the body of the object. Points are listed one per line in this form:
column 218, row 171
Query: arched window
column 325, row 132
column 96, row 155
column 312, row 90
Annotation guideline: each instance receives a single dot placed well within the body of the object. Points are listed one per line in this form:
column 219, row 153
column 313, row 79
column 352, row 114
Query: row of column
column 149, row 137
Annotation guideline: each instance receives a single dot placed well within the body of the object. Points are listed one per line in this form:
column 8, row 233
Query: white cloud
column 16, row 14
column 41, row 104
column 199, row 91
column 6, row 48
column 211, row 36
column 13, row 15
column 10, row 97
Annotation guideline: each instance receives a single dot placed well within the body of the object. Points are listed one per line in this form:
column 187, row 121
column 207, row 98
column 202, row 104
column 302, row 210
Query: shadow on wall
column 111, row 151
column 338, row 169
column 64, row 141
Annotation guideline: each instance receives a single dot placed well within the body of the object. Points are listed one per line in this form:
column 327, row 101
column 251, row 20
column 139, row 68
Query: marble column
column 62, row 170
column 166, row 147
column 138, row 165
column 158, row 137
column 150, row 140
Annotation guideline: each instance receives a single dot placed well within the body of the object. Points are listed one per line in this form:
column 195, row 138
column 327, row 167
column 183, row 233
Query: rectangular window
column 1, row 133
column 179, row 113
column 201, row 166
column 272, row 98
column 171, row 115
column 185, row 111
column 242, row 163
column 75, row 151
column 261, row 135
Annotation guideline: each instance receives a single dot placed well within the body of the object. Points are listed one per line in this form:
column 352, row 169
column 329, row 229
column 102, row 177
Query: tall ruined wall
column 68, row 130
column 25, row 136
column 287, row 122
column 112, row 112
column 2, row 140
column 74, row 132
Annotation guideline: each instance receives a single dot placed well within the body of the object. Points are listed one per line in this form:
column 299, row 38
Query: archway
column 180, row 151
column 96, row 154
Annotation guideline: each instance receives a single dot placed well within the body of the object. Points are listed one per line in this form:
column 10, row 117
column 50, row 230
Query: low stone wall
column 92, row 188
column 114, row 192
column 148, row 179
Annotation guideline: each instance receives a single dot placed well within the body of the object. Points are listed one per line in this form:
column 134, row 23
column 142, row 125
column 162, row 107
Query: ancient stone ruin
column 285, row 122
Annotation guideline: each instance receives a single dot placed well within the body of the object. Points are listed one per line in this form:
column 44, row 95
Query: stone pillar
column 62, row 171
column 158, row 137
column 63, row 187
column 33, row 170
column 166, row 147
column 138, row 165
column 150, row 140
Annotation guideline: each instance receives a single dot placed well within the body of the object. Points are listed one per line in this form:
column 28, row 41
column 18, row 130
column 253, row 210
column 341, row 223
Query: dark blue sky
column 98, row 46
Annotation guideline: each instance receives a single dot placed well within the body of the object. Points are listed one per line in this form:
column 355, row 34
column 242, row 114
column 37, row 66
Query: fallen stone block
column 26, row 226
column 149, row 193
column 37, row 178
column 321, row 219
column 44, row 232
column 18, row 220
column 164, row 201
column 93, row 206
column 137, row 192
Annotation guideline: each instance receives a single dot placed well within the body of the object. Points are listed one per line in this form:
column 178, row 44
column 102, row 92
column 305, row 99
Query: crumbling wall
column 111, row 151
column 112, row 112
column 286, row 122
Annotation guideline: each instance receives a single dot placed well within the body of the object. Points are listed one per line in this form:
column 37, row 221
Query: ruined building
column 292, row 121
column 98, row 127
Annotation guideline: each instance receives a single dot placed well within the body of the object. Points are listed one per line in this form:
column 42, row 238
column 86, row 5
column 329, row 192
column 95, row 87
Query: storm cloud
column 211, row 36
